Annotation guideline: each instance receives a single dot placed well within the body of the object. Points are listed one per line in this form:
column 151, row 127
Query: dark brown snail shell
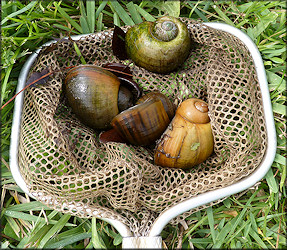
column 188, row 140
column 159, row 46
column 142, row 124
column 156, row 95
column 93, row 94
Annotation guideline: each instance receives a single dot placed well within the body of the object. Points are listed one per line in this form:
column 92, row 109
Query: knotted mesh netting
column 68, row 169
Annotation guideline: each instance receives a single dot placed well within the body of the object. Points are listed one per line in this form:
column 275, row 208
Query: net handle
column 142, row 242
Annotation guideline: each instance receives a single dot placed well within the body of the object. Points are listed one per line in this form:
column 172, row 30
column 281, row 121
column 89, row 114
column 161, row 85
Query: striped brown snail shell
column 188, row 140
column 143, row 123
column 156, row 95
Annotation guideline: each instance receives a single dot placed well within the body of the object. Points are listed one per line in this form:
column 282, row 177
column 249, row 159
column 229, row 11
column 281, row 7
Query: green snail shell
column 159, row 46
column 92, row 93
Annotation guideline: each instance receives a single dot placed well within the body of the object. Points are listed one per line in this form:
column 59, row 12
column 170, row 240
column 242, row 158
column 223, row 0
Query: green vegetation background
column 255, row 219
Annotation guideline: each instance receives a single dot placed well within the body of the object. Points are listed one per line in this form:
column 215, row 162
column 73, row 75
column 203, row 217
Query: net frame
column 148, row 214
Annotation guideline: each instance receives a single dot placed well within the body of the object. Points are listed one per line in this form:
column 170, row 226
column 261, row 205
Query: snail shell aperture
column 159, row 46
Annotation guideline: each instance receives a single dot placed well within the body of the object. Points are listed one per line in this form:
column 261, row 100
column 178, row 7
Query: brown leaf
column 231, row 212
column 36, row 76
column 119, row 69
column 118, row 43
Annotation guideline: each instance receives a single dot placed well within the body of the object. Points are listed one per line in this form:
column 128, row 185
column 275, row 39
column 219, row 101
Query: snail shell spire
column 164, row 30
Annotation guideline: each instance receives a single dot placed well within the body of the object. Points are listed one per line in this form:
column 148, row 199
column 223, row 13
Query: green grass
column 255, row 219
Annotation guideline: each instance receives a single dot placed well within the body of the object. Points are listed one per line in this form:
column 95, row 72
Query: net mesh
column 67, row 168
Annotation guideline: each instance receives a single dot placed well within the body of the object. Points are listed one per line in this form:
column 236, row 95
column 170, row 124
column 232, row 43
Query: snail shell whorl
column 194, row 110
column 164, row 30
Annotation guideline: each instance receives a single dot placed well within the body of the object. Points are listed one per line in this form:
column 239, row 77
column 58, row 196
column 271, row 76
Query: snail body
column 188, row 140
column 159, row 46
column 93, row 94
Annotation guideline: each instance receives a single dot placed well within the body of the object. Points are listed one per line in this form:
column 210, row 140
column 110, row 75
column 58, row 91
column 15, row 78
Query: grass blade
column 57, row 227
column 14, row 226
column 84, row 25
column 145, row 15
column 197, row 11
column 253, row 221
column 200, row 222
column 246, row 230
column 68, row 241
column 237, row 232
column 275, row 81
column 279, row 108
column 117, row 21
column 123, row 15
column 211, row 222
column 238, row 218
column 100, row 24
column 79, row 53
column 90, row 6
column 222, row 15
column 29, row 217
column 36, row 236
column 271, row 181
column 100, row 8
column 220, row 239
column 201, row 241
column 16, row 13
column 280, row 159
column 171, row 7
column 83, row 19
column 68, row 18
column 283, row 178
column 96, row 240
column 31, row 206
column 134, row 13
column 4, row 84
column 263, row 24
column 256, row 237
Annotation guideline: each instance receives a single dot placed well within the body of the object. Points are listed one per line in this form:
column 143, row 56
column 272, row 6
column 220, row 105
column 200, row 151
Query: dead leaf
column 118, row 43
column 36, row 76
column 231, row 212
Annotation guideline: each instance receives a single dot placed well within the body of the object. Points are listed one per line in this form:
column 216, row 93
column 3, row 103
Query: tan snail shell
column 143, row 123
column 188, row 140
column 159, row 46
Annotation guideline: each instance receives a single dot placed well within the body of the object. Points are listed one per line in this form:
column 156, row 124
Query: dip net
column 66, row 167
